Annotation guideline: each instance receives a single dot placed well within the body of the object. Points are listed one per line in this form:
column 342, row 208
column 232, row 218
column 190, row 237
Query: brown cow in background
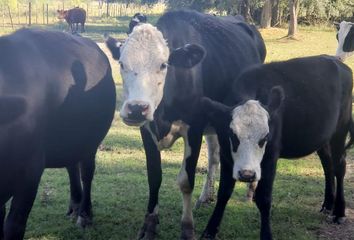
column 74, row 16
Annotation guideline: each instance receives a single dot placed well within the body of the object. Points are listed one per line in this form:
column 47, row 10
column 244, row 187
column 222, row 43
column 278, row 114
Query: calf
column 57, row 101
column 73, row 17
column 345, row 37
column 284, row 109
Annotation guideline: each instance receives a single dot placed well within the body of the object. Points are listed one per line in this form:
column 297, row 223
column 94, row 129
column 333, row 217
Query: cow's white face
column 143, row 62
column 248, row 139
column 343, row 32
column 144, row 58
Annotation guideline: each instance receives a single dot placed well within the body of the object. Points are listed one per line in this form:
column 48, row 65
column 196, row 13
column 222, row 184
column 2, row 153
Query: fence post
column 29, row 13
column 18, row 14
column 47, row 14
column 8, row 8
column 43, row 14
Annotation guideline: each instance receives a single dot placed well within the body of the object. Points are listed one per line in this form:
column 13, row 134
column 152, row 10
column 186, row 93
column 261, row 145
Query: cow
column 138, row 18
column 73, row 17
column 57, row 101
column 345, row 37
column 166, row 70
column 284, row 109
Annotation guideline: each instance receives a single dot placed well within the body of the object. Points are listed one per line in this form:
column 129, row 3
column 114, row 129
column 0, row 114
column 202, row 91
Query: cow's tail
column 351, row 134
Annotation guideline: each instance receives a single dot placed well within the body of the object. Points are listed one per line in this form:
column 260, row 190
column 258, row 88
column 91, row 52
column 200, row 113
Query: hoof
column 325, row 211
column 84, row 221
column 73, row 210
column 339, row 220
column 207, row 236
column 187, row 231
column 149, row 228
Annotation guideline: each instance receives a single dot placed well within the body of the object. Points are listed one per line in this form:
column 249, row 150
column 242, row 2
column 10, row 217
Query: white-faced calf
column 345, row 37
column 287, row 109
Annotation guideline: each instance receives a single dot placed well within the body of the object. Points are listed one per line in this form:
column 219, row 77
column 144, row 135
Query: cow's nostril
column 247, row 175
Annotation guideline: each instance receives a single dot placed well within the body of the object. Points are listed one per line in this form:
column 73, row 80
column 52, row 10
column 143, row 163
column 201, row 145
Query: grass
column 120, row 186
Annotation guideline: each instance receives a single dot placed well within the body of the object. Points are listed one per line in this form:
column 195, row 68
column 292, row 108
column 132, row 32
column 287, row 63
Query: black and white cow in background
column 163, row 84
column 57, row 101
column 345, row 37
column 283, row 109
column 137, row 19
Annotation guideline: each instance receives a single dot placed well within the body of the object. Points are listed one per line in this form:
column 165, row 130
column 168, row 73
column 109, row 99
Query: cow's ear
column 187, row 56
column 11, row 108
column 348, row 45
column 217, row 113
column 337, row 25
column 275, row 100
column 113, row 46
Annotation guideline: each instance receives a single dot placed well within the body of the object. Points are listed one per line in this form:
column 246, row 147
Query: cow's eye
column 235, row 142
column 263, row 141
column 163, row 66
column 121, row 65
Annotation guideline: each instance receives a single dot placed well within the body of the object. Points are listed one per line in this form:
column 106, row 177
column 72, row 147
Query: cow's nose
column 137, row 111
column 247, row 175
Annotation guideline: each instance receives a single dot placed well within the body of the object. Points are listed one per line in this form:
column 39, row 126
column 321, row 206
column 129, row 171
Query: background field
column 120, row 185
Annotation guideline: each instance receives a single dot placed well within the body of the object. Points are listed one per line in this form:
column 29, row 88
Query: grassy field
column 120, row 185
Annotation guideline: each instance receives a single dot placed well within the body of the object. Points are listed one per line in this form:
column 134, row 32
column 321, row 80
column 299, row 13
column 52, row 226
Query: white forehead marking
column 250, row 120
column 144, row 46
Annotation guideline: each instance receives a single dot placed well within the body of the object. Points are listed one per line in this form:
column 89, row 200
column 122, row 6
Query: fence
column 45, row 14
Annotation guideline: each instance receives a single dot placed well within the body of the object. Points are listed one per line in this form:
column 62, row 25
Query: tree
column 266, row 14
column 293, row 9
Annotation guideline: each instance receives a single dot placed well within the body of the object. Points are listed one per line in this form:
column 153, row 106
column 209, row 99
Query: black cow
column 74, row 17
column 284, row 109
column 345, row 37
column 163, row 85
column 57, row 101
column 138, row 18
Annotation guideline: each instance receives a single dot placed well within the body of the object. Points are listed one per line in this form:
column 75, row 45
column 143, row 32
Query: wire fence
column 46, row 14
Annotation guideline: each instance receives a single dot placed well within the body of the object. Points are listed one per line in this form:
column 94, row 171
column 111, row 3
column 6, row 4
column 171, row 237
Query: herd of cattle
column 192, row 74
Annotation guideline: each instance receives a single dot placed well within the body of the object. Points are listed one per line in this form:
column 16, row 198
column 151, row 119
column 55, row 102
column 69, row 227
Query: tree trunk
column 275, row 13
column 266, row 14
column 245, row 10
column 293, row 9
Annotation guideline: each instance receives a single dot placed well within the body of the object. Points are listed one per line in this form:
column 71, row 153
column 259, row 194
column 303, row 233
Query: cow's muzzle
column 135, row 113
column 246, row 175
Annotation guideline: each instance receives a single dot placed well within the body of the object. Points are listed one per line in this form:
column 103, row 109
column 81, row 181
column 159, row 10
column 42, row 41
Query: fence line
column 41, row 14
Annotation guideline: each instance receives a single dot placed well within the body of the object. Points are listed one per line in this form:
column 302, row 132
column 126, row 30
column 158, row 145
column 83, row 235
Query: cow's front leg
column 153, row 164
column 263, row 194
column 207, row 194
column 192, row 143
column 75, row 191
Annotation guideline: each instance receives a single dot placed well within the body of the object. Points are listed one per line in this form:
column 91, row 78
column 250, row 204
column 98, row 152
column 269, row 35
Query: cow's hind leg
column 207, row 194
column 192, row 143
column 339, row 163
column 87, row 167
column 23, row 198
column 326, row 160
column 83, row 27
column 75, row 191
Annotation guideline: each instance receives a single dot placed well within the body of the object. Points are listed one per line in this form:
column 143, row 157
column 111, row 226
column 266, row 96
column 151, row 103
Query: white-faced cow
column 345, row 37
column 163, row 83
column 285, row 109
column 57, row 101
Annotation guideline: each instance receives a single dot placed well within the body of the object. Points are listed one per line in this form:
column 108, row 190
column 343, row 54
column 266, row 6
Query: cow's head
column 62, row 14
column 137, row 19
column 345, row 37
column 144, row 59
column 244, row 131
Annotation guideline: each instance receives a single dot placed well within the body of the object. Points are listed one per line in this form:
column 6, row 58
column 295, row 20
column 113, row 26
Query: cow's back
column 317, row 93
column 67, row 84
column 230, row 43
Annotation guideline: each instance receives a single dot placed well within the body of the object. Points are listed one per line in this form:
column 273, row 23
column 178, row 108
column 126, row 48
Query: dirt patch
column 344, row 231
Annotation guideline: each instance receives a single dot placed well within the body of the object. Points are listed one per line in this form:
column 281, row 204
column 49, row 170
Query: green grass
column 120, row 188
